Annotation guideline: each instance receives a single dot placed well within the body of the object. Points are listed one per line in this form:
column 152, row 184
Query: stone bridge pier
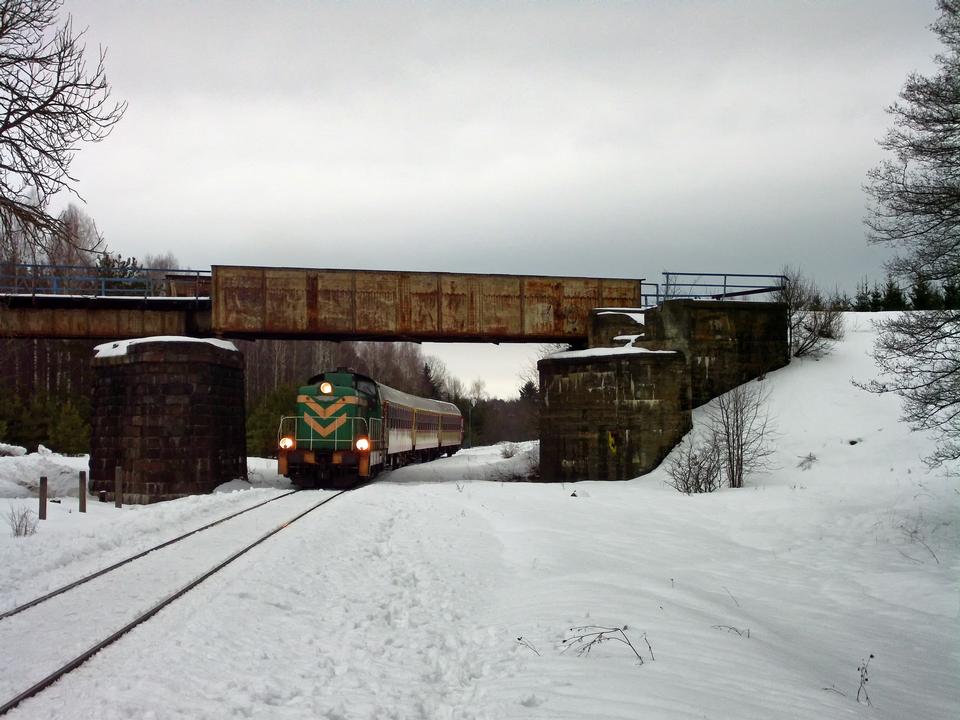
column 614, row 411
column 169, row 414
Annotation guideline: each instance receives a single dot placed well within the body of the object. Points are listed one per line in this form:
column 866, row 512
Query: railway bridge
column 168, row 417
column 296, row 303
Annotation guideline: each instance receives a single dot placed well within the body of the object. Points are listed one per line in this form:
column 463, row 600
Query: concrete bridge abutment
column 614, row 411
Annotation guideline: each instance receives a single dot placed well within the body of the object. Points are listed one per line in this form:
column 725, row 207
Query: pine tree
column 924, row 296
column 264, row 421
column 951, row 295
column 861, row 301
column 69, row 433
column 893, row 297
column 127, row 272
column 433, row 389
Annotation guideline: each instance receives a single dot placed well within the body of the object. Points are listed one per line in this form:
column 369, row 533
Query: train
column 349, row 427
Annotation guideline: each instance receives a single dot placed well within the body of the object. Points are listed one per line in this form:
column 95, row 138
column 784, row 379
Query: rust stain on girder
column 358, row 304
column 94, row 323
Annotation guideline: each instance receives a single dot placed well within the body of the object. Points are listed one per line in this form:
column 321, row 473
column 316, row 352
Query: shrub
column 22, row 520
column 814, row 325
column 695, row 467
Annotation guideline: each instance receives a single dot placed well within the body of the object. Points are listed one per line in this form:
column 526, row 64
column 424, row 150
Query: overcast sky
column 601, row 139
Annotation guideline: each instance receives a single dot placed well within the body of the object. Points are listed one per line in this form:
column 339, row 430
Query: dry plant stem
column 731, row 628
column 586, row 637
column 649, row 647
column 915, row 536
column 863, row 669
column 527, row 644
column 731, row 595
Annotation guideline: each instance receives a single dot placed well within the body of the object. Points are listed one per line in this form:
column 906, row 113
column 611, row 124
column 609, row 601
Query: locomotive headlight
column 363, row 444
column 287, row 443
column 326, row 388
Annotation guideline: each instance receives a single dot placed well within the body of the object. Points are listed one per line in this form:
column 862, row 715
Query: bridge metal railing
column 717, row 286
column 82, row 280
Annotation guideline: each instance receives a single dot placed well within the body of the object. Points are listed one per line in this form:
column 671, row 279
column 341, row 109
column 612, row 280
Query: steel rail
column 143, row 617
column 104, row 571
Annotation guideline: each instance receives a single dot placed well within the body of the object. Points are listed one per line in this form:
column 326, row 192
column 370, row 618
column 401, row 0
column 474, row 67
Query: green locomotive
column 348, row 427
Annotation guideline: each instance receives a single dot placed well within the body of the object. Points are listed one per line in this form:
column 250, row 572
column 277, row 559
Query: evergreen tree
column 69, row 433
column 893, row 297
column 264, row 421
column 129, row 277
column 924, row 296
column 876, row 299
column 951, row 295
column 530, row 409
column 840, row 301
column 433, row 389
column 861, row 301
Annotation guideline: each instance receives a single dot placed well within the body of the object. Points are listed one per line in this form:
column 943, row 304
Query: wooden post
column 43, row 498
column 118, row 486
column 83, row 491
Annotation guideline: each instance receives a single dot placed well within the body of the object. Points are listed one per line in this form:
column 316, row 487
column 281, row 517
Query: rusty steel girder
column 71, row 317
column 387, row 305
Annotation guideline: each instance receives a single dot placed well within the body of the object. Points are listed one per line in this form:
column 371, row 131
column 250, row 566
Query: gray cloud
column 615, row 139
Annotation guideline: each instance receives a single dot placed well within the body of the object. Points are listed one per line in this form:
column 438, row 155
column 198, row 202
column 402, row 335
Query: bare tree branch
column 52, row 102
column 916, row 208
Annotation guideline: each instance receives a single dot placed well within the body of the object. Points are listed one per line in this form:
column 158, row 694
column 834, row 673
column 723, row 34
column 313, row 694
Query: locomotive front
column 336, row 435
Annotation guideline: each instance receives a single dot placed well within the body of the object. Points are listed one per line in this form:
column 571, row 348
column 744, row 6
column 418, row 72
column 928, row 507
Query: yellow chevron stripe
column 320, row 429
column 325, row 412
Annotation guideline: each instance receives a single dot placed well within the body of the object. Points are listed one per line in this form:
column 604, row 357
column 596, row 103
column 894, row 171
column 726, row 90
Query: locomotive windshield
column 367, row 387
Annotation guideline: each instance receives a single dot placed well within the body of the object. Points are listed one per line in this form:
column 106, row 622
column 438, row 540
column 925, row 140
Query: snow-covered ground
column 406, row 598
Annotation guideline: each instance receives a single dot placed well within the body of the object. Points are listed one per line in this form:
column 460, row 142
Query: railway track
column 58, row 632
column 125, row 561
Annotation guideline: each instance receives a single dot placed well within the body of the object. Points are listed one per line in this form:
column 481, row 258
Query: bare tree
column 916, row 197
column 161, row 261
column 52, row 102
column 478, row 391
column 815, row 324
column 155, row 270
column 531, row 374
column 741, row 429
column 77, row 240
column 919, row 353
column 695, row 467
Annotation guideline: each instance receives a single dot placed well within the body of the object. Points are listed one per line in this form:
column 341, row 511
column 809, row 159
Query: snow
column 406, row 598
column 119, row 347
column 635, row 314
column 602, row 352
column 11, row 450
